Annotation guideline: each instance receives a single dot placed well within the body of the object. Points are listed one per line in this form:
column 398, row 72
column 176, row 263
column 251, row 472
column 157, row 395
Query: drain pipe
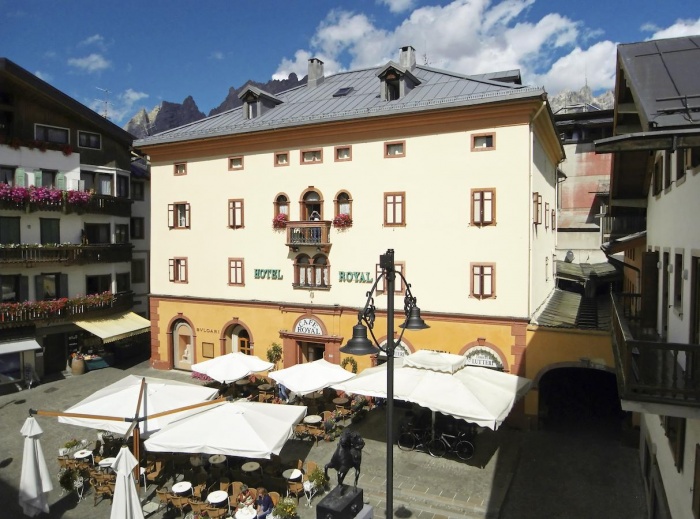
column 531, row 219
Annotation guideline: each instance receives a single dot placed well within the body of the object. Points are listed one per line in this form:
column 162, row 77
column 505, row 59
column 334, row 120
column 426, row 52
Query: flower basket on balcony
column 280, row 221
column 342, row 221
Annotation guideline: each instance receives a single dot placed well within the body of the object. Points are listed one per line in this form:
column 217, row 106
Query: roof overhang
column 630, row 241
column 656, row 140
column 17, row 346
column 114, row 328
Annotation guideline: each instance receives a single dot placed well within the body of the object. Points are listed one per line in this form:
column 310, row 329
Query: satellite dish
column 569, row 257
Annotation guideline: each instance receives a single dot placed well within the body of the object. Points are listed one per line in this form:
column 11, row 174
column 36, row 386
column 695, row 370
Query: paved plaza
column 513, row 475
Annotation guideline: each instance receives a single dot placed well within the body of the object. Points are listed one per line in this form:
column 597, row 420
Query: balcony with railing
column 652, row 373
column 615, row 227
column 64, row 309
column 17, row 198
column 309, row 234
column 69, row 254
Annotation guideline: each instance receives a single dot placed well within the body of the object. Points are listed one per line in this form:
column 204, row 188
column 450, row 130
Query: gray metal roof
column 306, row 105
column 664, row 76
column 571, row 310
column 583, row 271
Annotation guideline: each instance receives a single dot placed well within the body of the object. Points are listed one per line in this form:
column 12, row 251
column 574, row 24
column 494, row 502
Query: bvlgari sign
column 308, row 326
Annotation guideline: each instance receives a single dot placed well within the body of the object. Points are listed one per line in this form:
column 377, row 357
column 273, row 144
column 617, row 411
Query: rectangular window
column 544, row 216
column 12, row 289
column 179, row 215
column 98, row 284
column 50, row 230
column 483, row 141
column 678, row 282
column 312, row 156
column 49, row 286
column 692, row 158
column 104, row 184
column 235, row 271
column 667, row 169
column 46, row 178
column 138, row 270
column 9, row 230
column 121, row 233
column 138, row 231
column 483, row 283
column 7, row 175
column 536, row 208
column 554, row 220
column 178, row 270
column 98, row 233
column 343, row 153
column 675, row 432
column 51, row 134
column 123, row 282
column 282, row 158
column 89, row 140
column 395, row 149
column 122, row 186
column 658, row 178
column 394, row 209
column 399, row 287
column 138, row 191
column 235, row 213
column 680, row 164
column 235, row 163
column 180, row 168
column 483, row 207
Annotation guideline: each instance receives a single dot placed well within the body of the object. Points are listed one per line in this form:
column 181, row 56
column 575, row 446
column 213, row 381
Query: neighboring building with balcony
column 65, row 251
column 456, row 173
column 656, row 319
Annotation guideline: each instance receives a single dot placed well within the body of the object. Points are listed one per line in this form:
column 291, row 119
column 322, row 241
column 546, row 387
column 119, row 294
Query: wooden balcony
column 653, row 376
column 63, row 310
column 614, row 227
column 309, row 234
column 98, row 204
column 30, row 256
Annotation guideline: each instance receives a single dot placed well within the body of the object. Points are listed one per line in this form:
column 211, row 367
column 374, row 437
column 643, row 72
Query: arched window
column 343, row 203
column 321, row 271
column 311, row 201
column 302, row 271
column 311, row 273
column 282, row 205
column 183, row 351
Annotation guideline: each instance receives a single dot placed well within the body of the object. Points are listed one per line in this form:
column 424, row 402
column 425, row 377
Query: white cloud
column 91, row 63
column 216, row 55
column 680, row 28
column 398, row 6
column 44, row 76
column 119, row 108
column 95, row 39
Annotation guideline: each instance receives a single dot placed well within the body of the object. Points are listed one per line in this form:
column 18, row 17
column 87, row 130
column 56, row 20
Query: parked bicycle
column 414, row 438
column 459, row 444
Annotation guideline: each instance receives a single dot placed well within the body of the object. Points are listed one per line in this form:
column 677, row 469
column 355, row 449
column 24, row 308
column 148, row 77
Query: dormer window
column 250, row 106
column 256, row 102
column 392, row 86
column 396, row 82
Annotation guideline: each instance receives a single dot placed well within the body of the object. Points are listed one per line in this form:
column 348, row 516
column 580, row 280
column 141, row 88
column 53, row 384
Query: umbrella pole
column 137, row 468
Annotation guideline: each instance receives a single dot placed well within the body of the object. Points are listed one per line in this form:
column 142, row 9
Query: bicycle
column 411, row 439
column 458, row 444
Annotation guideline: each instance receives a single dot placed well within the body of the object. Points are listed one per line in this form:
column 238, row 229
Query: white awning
column 116, row 327
column 15, row 346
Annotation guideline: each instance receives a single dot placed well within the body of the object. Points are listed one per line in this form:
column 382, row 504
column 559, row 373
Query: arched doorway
column 312, row 201
column 580, row 398
column 183, row 346
column 237, row 339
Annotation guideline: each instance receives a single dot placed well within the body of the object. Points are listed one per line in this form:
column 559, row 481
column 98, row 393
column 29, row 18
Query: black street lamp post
column 361, row 345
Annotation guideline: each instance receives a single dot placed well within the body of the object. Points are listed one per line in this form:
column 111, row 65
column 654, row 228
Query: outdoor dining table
column 106, row 463
column 313, row 419
column 217, row 497
column 217, row 459
column 84, row 453
column 250, row 466
column 292, row 474
column 182, row 487
column 341, row 401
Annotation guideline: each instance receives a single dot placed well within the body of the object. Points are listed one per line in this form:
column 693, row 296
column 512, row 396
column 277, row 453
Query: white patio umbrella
column 232, row 366
column 125, row 502
column 240, row 428
column 35, row 481
column 441, row 382
column 311, row 376
column 121, row 399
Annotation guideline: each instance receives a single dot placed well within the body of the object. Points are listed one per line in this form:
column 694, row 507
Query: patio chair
column 224, row 484
column 103, row 490
column 295, row 488
column 275, row 496
column 213, row 511
column 253, row 492
column 198, row 490
column 197, row 506
column 315, row 432
column 311, row 466
column 343, row 412
column 301, row 431
column 180, row 502
column 236, row 488
column 155, row 472
column 164, row 498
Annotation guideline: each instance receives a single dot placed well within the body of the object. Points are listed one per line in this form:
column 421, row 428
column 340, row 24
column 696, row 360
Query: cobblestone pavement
column 513, row 474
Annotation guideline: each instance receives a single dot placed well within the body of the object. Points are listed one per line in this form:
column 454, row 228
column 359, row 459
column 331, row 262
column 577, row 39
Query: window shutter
column 488, row 207
column 171, row 216
column 39, row 287
column 20, row 177
column 61, row 181
column 476, row 282
column 62, row 285
column 38, row 178
column 23, row 288
column 187, row 215
column 488, row 281
column 171, row 269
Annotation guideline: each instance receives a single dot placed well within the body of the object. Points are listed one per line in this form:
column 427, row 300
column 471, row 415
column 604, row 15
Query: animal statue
column 347, row 455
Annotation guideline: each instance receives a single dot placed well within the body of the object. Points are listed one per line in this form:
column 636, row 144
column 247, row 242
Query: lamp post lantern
column 361, row 345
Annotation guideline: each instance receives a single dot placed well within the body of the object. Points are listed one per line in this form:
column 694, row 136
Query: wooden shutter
column 171, row 215
column 62, row 290
column 39, row 287
column 23, row 288
column 20, row 177
column 650, row 289
column 61, row 180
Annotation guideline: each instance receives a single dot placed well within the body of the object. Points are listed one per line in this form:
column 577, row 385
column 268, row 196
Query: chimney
column 407, row 57
column 315, row 73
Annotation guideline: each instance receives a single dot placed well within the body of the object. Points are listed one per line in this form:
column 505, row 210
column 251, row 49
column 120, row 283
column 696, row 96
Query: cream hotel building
column 456, row 173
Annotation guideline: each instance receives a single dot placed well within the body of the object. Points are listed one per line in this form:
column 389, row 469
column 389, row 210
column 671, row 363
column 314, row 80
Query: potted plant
column 274, row 354
column 280, row 221
column 285, row 509
column 318, row 478
column 342, row 221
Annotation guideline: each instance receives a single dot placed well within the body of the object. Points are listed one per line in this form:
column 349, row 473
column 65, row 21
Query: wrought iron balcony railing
column 309, row 233
column 30, row 255
column 649, row 369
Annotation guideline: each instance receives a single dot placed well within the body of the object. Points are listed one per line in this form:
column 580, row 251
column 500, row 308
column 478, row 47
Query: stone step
column 410, row 503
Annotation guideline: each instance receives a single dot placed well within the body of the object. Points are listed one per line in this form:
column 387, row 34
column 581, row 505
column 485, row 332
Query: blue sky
column 127, row 55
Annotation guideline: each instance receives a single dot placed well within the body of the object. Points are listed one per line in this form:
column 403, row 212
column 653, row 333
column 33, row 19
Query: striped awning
column 21, row 345
column 116, row 327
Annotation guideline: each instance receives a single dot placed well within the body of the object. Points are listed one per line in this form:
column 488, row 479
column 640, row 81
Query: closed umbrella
column 125, row 502
column 232, row 366
column 35, row 482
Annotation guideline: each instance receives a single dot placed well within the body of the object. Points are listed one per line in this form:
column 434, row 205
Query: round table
column 106, row 463
column 216, row 497
column 217, row 459
column 314, row 396
column 313, row 419
column 247, row 512
column 292, row 474
column 242, row 382
column 342, row 401
column 196, row 461
column 265, row 387
column 182, row 487
column 250, row 466
column 82, row 454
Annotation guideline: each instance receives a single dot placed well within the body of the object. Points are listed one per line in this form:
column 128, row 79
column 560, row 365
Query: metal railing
column 67, row 254
column 308, row 233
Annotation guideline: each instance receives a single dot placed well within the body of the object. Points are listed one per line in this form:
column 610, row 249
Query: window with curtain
column 482, row 283
column 89, row 140
column 121, row 233
column 123, row 282
column 282, row 205
column 51, row 134
column 179, row 215
column 7, row 175
column 235, row 213
column 104, row 185
column 98, row 284
column 178, row 270
column 343, row 204
column 321, row 271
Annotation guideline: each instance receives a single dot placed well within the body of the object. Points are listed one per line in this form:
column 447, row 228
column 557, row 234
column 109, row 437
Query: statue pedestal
column 343, row 502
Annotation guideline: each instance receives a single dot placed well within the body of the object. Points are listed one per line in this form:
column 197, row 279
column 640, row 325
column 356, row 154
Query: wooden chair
column 164, row 498
column 275, row 496
column 213, row 511
column 232, row 504
column 315, row 432
column 197, row 506
column 155, row 472
column 236, row 488
column 180, row 502
column 343, row 412
column 198, row 490
column 295, row 488
column 224, row 484
column 310, row 467
column 103, row 490
column 253, row 492
column 327, row 416
column 301, row 431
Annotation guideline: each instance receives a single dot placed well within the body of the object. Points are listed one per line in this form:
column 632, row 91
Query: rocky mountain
column 169, row 115
column 569, row 98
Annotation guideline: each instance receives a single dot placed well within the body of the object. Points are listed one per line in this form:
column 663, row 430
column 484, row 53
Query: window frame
column 475, row 136
column 180, row 169
column 544, row 215
column 481, row 267
column 399, row 288
column 141, row 278
column 336, row 203
column 277, row 156
column 311, row 150
column 678, row 281
column 140, row 227
column 554, row 219
column 50, row 127
column 8, row 237
column 178, row 270
column 311, row 269
column 340, row 148
column 173, row 215
column 481, row 222
column 675, row 430
column 236, row 206
column 278, row 205
column 117, row 282
column 93, row 134
column 138, row 193
column 236, row 266
column 121, row 233
column 388, row 144
column 536, row 208
column 657, row 177
column 44, row 231
column 387, row 204
column 232, row 167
